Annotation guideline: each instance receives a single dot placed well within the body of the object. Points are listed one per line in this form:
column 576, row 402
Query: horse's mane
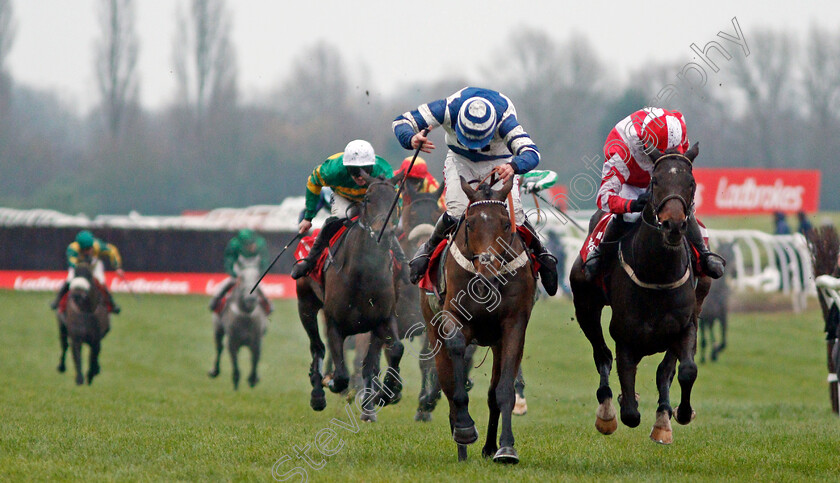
column 825, row 247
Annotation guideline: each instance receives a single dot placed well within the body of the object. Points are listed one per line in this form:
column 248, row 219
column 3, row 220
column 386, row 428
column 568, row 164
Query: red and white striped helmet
column 664, row 129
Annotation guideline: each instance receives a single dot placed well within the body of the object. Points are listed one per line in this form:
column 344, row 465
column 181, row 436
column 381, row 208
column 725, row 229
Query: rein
column 486, row 258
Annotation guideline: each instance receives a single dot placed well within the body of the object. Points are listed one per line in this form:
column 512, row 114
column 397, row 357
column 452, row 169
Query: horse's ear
column 368, row 178
column 502, row 193
column 652, row 152
column 397, row 178
column 409, row 193
column 468, row 189
column 439, row 192
column 693, row 151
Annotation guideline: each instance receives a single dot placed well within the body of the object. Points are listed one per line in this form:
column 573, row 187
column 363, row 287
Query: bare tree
column 822, row 76
column 318, row 86
column 205, row 61
column 116, row 59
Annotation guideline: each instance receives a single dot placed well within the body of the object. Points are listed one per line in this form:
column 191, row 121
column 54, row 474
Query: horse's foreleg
column 627, row 363
column 430, row 387
column 464, row 431
column 341, row 377
column 588, row 315
column 717, row 349
column 219, row 336
column 76, row 348
column 255, row 347
column 371, row 397
column 490, row 446
column 233, row 349
column 62, row 340
column 93, row 364
column 687, row 374
column 308, row 307
column 661, row 432
column 513, row 341
column 361, row 343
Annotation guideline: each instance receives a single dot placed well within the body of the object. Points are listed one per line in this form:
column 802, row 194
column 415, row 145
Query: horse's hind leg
column 93, row 365
column 464, row 431
column 62, row 339
column 687, row 374
column 430, row 388
column 255, row 347
column 76, row 348
column 627, row 363
column 661, row 432
column 218, row 336
column 703, row 329
column 371, row 389
column 717, row 349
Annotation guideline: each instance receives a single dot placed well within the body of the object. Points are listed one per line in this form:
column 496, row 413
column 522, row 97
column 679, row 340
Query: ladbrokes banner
column 753, row 191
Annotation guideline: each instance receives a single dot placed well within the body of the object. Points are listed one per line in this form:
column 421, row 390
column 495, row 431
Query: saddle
column 434, row 280
column 62, row 304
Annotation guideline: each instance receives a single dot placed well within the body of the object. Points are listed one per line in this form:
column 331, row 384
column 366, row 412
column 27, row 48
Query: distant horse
column 825, row 248
column 490, row 289
column 243, row 320
column 358, row 296
column 654, row 301
column 85, row 320
column 716, row 308
column 419, row 213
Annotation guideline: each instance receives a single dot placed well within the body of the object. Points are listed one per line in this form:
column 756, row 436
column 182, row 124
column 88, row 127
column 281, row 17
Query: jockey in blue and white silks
column 483, row 136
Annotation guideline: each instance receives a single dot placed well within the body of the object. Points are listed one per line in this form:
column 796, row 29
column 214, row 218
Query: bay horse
column 654, row 301
column 490, row 289
column 85, row 320
column 243, row 319
column 358, row 296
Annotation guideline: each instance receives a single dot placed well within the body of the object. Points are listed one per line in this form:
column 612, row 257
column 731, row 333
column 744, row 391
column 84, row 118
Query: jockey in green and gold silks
column 246, row 244
column 343, row 173
column 89, row 249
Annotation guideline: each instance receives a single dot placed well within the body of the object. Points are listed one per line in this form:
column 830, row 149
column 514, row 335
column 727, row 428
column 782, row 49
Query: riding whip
column 128, row 286
column 402, row 184
column 275, row 261
column 561, row 212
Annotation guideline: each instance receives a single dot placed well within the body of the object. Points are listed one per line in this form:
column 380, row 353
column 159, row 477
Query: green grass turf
column 763, row 411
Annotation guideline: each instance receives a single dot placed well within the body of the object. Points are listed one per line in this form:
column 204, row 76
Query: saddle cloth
column 62, row 304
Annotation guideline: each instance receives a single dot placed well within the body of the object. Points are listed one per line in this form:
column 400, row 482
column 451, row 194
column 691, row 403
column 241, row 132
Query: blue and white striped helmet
column 476, row 123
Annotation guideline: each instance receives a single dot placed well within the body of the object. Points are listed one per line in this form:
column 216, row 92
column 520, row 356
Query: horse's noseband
column 661, row 204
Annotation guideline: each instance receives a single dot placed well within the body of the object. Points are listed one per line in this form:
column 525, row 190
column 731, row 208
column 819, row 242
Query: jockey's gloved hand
column 639, row 203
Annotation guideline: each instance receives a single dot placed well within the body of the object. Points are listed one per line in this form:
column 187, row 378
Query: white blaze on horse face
column 673, row 170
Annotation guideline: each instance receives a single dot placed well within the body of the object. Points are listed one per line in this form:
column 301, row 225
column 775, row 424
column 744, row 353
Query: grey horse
column 243, row 320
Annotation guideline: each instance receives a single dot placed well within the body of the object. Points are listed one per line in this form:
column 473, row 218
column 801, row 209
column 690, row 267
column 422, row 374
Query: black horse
column 651, row 290
column 824, row 244
column 84, row 321
column 358, row 296
column 716, row 308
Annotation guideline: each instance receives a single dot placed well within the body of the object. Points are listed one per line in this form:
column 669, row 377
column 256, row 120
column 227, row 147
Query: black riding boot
column 214, row 304
column 712, row 264
column 115, row 309
column 548, row 262
column 420, row 263
column 64, row 289
column 305, row 265
column 607, row 249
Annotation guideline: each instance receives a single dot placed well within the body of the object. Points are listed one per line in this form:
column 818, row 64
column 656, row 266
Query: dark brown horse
column 716, row 309
column 654, row 302
column 84, row 321
column 358, row 296
column 489, row 296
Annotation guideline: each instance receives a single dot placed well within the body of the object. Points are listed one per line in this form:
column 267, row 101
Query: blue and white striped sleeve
column 526, row 156
column 410, row 123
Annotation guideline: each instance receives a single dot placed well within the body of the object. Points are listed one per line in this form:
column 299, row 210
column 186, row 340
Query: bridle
column 468, row 262
column 658, row 205
column 362, row 216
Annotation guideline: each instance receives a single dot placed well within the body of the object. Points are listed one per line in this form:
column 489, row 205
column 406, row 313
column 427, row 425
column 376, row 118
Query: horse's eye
column 507, row 225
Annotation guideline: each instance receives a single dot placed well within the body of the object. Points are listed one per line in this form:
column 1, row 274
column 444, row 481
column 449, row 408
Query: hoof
column 682, row 420
column 326, row 380
column 423, row 416
column 605, row 420
column 338, row 386
column 465, row 435
column 368, row 417
column 213, row 374
column 80, row 380
column 397, row 398
column 318, row 402
column 61, row 368
column 506, row 455
column 489, row 451
column 520, row 408
column 661, row 432
column 252, row 381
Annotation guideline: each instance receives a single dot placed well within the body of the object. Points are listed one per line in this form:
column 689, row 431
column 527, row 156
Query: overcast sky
column 398, row 42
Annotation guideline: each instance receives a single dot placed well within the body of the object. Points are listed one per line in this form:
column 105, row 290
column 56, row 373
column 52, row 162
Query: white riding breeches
column 456, row 166
column 98, row 272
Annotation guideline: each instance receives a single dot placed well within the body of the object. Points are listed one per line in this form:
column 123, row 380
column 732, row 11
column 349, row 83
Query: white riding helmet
column 359, row 153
